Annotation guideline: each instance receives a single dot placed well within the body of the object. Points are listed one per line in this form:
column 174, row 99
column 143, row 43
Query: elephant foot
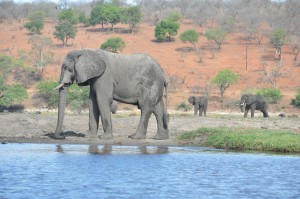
column 91, row 135
column 161, row 136
column 137, row 136
column 106, row 136
column 58, row 137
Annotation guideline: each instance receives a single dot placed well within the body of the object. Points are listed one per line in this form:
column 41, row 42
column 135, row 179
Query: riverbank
column 37, row 127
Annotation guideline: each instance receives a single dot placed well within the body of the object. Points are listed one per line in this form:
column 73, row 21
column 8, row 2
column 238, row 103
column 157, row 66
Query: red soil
column 187, row 69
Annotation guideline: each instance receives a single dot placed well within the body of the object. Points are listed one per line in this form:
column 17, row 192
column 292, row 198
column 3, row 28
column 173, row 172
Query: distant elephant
column 200, row 103
column 253, row 102
column 133, row 79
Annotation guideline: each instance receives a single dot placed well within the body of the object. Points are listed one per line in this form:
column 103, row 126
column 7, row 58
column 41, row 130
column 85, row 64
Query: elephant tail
column 166, row 115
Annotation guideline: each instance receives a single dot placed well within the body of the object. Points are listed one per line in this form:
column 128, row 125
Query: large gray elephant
column 200, row 104
column 133, row 79
column 253, row 102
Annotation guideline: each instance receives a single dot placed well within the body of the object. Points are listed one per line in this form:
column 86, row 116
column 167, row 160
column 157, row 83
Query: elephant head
column 247, row 99
column 192, row 100
column 80, row 67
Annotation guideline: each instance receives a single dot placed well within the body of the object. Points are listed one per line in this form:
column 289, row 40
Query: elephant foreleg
column 252, row 110
column 162, row 122
column 93, row 115
column 105, row 112
column 200, row 111
column 195, row 109
column 246, row 112
column 141, row 130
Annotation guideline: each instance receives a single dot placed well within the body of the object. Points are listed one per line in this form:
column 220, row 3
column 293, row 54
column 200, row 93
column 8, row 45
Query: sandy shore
column 36, row 127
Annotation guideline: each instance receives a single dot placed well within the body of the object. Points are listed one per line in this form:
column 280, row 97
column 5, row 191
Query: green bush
column 47, row 94
column 77, row 96
column 272, row 95
column 36, row 22
column 114, row 45
column 165, row 30
column 10, row 95
column 184, row 106
column 296, row 101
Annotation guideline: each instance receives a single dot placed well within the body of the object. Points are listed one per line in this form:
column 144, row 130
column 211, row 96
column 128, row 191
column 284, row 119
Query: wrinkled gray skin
column 253, row 102
column 200, row 104
column 133, row 79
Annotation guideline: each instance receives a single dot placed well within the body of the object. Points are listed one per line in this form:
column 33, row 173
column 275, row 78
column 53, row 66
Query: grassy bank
column 243, row 139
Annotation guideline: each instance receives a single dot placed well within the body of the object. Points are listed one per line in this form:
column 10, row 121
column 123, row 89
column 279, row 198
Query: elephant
column 200, row 103
column 114, row 107
column 253, row 102
column 133, row 79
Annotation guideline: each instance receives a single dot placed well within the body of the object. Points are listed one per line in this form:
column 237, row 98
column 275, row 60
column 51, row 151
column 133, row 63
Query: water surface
column 82, row 171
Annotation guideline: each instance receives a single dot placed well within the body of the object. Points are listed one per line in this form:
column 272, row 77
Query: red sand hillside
column 190, row 75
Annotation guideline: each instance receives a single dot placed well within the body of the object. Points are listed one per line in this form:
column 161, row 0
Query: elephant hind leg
column 265, row 113
column 162, row 122
column 141, row 130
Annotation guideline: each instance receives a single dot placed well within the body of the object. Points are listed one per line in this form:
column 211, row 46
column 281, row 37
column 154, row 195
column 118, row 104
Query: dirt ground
column 36, row 127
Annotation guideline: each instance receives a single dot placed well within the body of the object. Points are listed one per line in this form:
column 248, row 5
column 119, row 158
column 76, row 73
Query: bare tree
column 272, row 74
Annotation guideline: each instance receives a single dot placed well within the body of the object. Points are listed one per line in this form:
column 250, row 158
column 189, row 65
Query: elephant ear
column 88, row 64
column 192, row 100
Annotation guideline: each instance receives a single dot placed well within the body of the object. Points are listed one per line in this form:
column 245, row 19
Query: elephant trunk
column 61, row 112
column 243, row 106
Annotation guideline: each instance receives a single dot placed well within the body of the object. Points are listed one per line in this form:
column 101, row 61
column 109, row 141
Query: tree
column 112, row 13
column 64, row 32
column 218, row 35
column 97, row 16
column 190, row 36
column 114, row 45
column 36, row 22
column 133, row 16
column 83, row 19
column 69, row 16
column 165, row 30
column 40, row 52
column 278, row 39
column 175, row 16
column 224, row 79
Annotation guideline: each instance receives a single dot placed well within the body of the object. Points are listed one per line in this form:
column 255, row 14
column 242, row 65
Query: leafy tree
column 78, row 97
column 112, row 13
column 47, row 94
column 97, row 16
column 64, row 32
column 69, row 16
column 190, row 36
column 165, row 30
column 133, row 16
column 36, row 22
column 114, row 45
column 278, row 39
column 83, row 19
column 175, row 16
column 41, row 54
column 218, row 35
column 224, row 79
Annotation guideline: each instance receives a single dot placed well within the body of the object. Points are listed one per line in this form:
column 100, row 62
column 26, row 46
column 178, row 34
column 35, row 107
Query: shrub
column 296, row 101
column 175, row 16
column 184, row 106
column 114, row 45
column 165, row 30
column 10, row 95
column 272, row 95
column 77, row 96
column 36, row 22
column 190, row 36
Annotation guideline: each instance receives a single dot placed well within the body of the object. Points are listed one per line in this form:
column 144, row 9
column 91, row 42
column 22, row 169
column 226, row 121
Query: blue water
column 82, row 171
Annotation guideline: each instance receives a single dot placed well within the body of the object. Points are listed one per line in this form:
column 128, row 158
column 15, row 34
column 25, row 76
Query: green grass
column 244, row 139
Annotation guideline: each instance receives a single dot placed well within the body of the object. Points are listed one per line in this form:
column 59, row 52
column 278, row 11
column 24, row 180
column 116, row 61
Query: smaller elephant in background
column 200, row 104
column 253, row 102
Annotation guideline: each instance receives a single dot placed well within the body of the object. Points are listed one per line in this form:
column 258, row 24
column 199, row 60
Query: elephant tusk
column 242, row 104
column 59, row 86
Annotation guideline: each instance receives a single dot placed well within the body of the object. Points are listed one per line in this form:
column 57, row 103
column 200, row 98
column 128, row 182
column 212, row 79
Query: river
column 82, row 171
